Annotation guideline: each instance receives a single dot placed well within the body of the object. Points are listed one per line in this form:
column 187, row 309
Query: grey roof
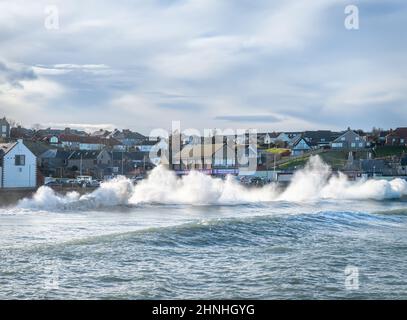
column 319, row 136
column 298, row 140
column 4, row 121
column 77, row 155
column 56, row 154
column 348, row 132
column 6, row 147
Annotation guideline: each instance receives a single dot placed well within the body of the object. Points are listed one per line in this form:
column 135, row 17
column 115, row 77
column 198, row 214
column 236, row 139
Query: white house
column 18, row 166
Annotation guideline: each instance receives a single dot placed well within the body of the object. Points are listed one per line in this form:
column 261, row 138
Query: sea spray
column 308, row 183
column 46, row 198
column 162, row 186
column 313, row 183
column 111, row 193
column 316, row 181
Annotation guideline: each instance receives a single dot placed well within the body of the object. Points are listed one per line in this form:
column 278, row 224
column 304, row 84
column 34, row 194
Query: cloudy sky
column 275, row 65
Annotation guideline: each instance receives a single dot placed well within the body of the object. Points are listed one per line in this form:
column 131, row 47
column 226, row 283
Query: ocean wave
column 313, row 183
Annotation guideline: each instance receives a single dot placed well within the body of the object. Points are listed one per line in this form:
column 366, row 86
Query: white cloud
column 121, row 61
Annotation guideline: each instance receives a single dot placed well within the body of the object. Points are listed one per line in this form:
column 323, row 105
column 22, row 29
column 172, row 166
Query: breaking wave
column 314, row 182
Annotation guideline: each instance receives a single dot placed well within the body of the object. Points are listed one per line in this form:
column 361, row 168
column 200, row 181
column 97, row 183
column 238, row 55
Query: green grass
column 277, row 150
column 388, row 151
column 294, row 163
column 336, row 159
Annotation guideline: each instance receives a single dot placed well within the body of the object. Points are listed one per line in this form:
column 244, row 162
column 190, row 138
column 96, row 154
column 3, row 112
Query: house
column 88, row 143
column 300, row 146
column 128, row 137
column 4, row 129
column 21, row 133
column 101, row 133
column 397, row 137
column 269, row 138
column 283, row 139
column 121, row 162
column 18, row 166
column 51, row 139
column 54, row 162
column 71, row 141
column 206, row 157
column 97, row 163
column 140, row 160
column 319, row 138
column 349, row 140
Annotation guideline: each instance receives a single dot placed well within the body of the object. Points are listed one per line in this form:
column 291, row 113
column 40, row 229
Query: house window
column 20, row 160
column 353, row 144
column 4, row 129
column 343, row 139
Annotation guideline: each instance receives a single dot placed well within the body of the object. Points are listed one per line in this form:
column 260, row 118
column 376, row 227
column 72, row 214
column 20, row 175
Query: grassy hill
column 389, row 151
column 336, row 159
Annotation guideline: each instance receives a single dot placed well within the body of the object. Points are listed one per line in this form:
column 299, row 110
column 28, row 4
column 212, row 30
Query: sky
column 270, row 65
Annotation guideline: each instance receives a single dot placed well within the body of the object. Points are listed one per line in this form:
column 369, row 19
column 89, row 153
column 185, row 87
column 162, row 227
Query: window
column 353, row 144
column 20, row 160
column 343, row 139
column 4, row 129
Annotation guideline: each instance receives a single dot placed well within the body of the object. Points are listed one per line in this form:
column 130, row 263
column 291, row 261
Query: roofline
column 12, row 147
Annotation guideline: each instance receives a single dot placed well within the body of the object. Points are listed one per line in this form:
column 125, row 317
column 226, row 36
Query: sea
column 199, row 237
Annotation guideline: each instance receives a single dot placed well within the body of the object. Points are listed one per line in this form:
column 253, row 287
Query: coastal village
column 31, row 157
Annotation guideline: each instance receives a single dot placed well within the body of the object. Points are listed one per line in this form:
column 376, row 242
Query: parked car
column 53, row 184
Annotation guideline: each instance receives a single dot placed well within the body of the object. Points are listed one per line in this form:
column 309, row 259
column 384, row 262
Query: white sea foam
column 316, row 182
column 313, row 183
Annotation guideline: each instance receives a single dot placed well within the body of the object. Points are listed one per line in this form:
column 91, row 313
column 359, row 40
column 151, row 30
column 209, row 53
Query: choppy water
column 277, row 250
column 219, row 241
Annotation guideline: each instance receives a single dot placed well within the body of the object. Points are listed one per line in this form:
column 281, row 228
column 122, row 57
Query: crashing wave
column 314, row 182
